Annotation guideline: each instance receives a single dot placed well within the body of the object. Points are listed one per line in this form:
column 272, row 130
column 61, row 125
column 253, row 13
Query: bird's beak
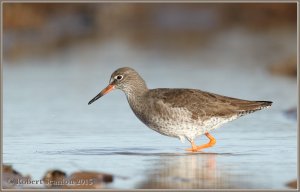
column 107, row 89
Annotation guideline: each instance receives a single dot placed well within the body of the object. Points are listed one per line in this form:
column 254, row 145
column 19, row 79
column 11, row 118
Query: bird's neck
column 135, row 93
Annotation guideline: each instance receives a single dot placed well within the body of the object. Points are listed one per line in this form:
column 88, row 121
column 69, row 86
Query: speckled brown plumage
column 203, row 105
column 182, row 113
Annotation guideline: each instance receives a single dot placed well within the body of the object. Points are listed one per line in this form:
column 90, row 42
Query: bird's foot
column 195, row 148
column 192, row 150
column 198, row 148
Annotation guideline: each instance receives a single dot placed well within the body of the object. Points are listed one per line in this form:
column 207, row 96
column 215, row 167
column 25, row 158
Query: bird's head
column 125, row 79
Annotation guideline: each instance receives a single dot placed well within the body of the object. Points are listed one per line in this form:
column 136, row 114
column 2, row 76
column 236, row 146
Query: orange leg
column 195, row 148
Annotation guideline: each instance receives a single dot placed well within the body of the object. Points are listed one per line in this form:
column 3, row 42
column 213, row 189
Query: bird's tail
column 264, row 104
column 255, row 106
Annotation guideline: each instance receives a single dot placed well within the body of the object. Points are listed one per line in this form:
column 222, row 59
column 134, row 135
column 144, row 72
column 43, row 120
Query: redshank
column 180, row 113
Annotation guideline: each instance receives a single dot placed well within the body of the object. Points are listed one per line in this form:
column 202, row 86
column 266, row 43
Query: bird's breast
column 163, row 118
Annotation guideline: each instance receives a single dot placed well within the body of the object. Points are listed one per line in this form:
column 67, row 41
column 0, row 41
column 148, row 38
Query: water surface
column 48, row 124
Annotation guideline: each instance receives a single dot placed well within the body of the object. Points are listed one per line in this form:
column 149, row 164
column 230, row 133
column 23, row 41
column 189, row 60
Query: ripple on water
column 134, row 151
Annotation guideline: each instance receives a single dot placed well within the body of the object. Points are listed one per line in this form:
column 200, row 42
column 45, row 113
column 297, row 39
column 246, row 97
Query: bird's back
column 204, row 105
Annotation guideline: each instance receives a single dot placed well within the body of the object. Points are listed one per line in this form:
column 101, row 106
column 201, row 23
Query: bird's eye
column 119, row 77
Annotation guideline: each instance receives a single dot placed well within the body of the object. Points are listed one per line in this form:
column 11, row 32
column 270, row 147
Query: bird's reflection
column 199, row 171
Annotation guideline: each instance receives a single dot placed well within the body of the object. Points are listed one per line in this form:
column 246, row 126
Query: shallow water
column 48, row 124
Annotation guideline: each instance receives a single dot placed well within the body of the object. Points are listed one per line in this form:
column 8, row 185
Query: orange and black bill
column 107, row 89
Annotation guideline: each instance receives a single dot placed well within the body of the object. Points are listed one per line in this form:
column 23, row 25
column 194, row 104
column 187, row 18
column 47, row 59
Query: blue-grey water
column 47, row 123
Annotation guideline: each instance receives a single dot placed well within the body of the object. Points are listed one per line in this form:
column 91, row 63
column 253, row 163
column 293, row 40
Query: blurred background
column 39, row 28
column 57, row 56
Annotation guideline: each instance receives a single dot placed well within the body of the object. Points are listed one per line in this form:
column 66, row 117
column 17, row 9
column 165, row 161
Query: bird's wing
column 204, row 104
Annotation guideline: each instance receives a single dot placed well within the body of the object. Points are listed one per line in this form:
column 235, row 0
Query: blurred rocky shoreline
column 39, row 28
column 55, row 179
